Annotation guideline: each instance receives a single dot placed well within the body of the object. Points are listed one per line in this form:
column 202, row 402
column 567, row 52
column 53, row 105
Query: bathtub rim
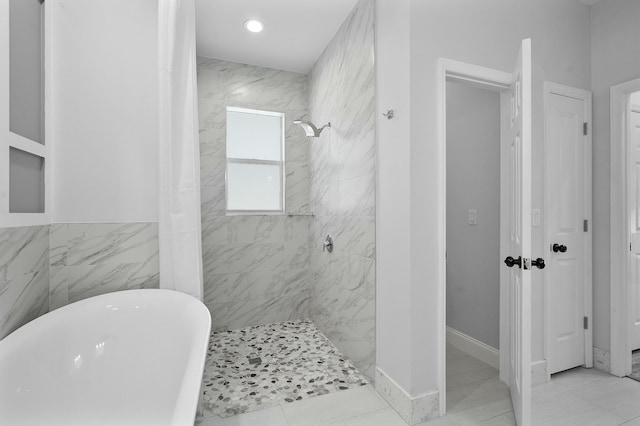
column 188, row 395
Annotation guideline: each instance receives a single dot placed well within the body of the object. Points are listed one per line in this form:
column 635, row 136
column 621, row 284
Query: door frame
column 620, row 312
column 499, row 81
column 586, row 97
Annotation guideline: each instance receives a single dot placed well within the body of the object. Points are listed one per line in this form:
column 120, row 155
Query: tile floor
column 475, row 394
column 587, row 397
column 475, row 397
column 360, row 406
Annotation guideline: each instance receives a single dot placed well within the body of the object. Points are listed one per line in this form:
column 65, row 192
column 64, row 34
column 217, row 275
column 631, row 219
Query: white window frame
column 9, row 139
column 280, row 164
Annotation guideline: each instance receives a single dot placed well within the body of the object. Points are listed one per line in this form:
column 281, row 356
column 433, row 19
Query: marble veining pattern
column 342, row 170
column 92, row 259
column 253, row 262
column 258, row 367
column 24, row 276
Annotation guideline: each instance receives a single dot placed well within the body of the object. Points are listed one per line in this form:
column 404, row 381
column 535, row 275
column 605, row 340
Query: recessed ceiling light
column 253, row 26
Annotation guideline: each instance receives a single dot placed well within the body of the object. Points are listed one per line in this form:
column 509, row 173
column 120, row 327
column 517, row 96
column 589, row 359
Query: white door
column 565, row 168
column 520, row 238
column 634, row 226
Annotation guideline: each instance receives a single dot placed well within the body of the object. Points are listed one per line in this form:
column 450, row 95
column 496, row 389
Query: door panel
column 565, row 168
column 520, row 238
column 635, row 228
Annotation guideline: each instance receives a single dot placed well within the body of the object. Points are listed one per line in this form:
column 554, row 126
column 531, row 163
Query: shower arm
column 310, row 129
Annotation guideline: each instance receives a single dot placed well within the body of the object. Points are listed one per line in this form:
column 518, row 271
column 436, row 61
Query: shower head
column 309, row 129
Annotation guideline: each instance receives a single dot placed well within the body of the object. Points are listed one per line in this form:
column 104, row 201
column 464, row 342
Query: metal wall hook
column 389, row 114
column 328, row 244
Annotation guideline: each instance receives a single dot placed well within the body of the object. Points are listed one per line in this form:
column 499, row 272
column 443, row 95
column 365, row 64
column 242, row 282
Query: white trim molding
column 9, row 139
column 620, row 353
column 414, row 410
column 539, row 373
column 601, row 360
column 477, row 349
column 491, row 355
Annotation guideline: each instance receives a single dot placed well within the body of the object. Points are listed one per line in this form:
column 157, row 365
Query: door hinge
column 585, row 129
column 585, row 323
column 585, row 225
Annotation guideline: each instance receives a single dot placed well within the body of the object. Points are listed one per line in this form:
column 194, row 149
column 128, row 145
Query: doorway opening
column 625, row 228
column 473, row 152
column 515, row 224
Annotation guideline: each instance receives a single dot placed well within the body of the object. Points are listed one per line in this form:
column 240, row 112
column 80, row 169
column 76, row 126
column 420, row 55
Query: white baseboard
column 539, row 373
column 474, row 347
column 414, row 410
column 602, row 360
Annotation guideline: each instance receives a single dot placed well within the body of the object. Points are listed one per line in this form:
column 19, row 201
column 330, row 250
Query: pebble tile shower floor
column 264, row 366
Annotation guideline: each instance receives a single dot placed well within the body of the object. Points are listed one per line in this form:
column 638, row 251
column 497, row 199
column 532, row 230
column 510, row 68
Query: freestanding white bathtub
column 126, row 358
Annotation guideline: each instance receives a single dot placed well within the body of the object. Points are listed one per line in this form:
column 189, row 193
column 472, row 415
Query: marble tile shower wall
column 256, row 268
column 24, row 276
column 342, row 91
column 97, row 258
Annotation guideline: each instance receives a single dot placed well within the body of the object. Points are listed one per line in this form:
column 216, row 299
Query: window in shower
column 255, row 161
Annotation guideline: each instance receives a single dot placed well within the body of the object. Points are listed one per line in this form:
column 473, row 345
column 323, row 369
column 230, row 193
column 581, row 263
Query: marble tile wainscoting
column 342, row 90
column 24, row 276
column 92, row 259
column 256, row 268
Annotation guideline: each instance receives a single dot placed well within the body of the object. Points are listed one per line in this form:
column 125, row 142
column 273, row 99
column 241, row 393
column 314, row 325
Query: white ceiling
column 296, row 31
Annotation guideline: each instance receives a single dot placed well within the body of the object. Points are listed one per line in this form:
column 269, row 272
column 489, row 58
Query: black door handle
column 510, row 262
column 559, row 248
column 539, row 263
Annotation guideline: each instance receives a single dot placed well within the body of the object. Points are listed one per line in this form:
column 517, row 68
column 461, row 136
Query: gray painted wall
column 473, row 183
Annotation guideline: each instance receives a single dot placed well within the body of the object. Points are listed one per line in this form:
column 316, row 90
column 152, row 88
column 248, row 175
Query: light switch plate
column 535, row 217
column 472, row 217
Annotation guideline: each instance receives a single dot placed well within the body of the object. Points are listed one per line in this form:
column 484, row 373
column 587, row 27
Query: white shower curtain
column 179, row 227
